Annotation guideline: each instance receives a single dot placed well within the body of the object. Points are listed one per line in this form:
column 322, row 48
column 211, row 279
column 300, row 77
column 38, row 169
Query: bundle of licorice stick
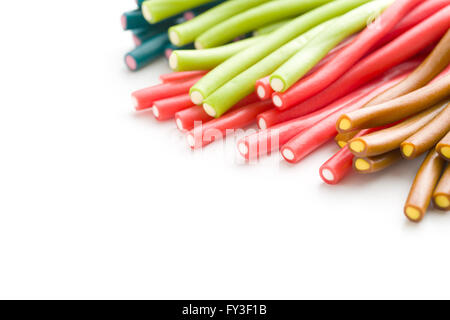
column 373, row 74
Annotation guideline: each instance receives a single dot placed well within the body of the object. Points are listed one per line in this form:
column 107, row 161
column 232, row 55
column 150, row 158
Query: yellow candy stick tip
column 407, row 150
column 413, row 214
column 442, row 201
column 362, row 165
column 445, row 151
column 357, row 146
column 345, row 124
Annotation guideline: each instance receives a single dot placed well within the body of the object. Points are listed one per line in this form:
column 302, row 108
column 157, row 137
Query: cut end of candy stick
column 342, row 143
column 442, row 202
column 262, row 124
column 209, row 110
column 131, row 62
column 196, row 97
column 277, row 84
column 147, row 14
column 413, row 214
column 155, row 112
column 173, row 61
column 198, row 45
column 357, row 146
column 179, row 124
column 445, row 151
column 243, row 148
column 135, row 102
column 407, row 150
column 261, row 92
column 277, row 101
column 136, row 40
column 327, row 175
column 288, row 154
column 123, row 21
column 174, row 37
column 362, row 165
column 191, row 140
column 344, row 124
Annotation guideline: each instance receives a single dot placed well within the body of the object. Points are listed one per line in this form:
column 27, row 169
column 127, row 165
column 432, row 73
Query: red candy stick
column 417, row 15
column 265, row 91
column 181, row 76
column 216, row 128
column 165, row 109
column 339, row 165
column 144, row 98
column 272, row 117
column 311, row 139
column 186, row 119
column 268, row 140
column 263, row 88
column 402, row 48
column 348, row 56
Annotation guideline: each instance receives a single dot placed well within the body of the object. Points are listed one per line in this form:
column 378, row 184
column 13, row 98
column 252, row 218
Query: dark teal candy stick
column 142, row 35
column 147, row 52
column 133, row 20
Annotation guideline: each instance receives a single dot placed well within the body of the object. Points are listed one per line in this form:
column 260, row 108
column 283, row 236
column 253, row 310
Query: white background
column 99, row 202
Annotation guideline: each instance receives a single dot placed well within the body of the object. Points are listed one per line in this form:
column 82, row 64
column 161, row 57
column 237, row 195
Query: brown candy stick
column 424, row 184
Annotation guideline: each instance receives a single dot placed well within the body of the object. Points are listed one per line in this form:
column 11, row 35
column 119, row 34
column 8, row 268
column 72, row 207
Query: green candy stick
column 244, row 84
column 188, row 31
column 248, row 57
column 253, row 19
column 208, row 59
column 270, row 27
column 157, row 10
column 301, row 63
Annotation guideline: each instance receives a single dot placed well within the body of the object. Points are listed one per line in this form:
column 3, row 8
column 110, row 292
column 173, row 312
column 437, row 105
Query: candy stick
column 151, row 30
column 339, row 165
column 243, row 84
column 253, row 19
column 383, row 141
column 309, row 140
column 437, row 61
column 157, row 10
column 144, row 98
column 133, row 20
column 265, row 91
column 427, row 137
column 272, row 117
column 401, row 49
column 170, row 48
column 343, row 61
column 167, row 108
column 443, row 147
column 376, row 163
column 268, row 140
column 342, row 139
column 397, row 109
column 441, row 195
column 245, row 59
column 271, row 27
column 351, row 22
column 207, row 59
column 186, row 119
column 263, row 88
column 215, row 129
column 424, row 184
column 416, row 16
column 187, row 32
column 181, row 76
column 147, row 52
